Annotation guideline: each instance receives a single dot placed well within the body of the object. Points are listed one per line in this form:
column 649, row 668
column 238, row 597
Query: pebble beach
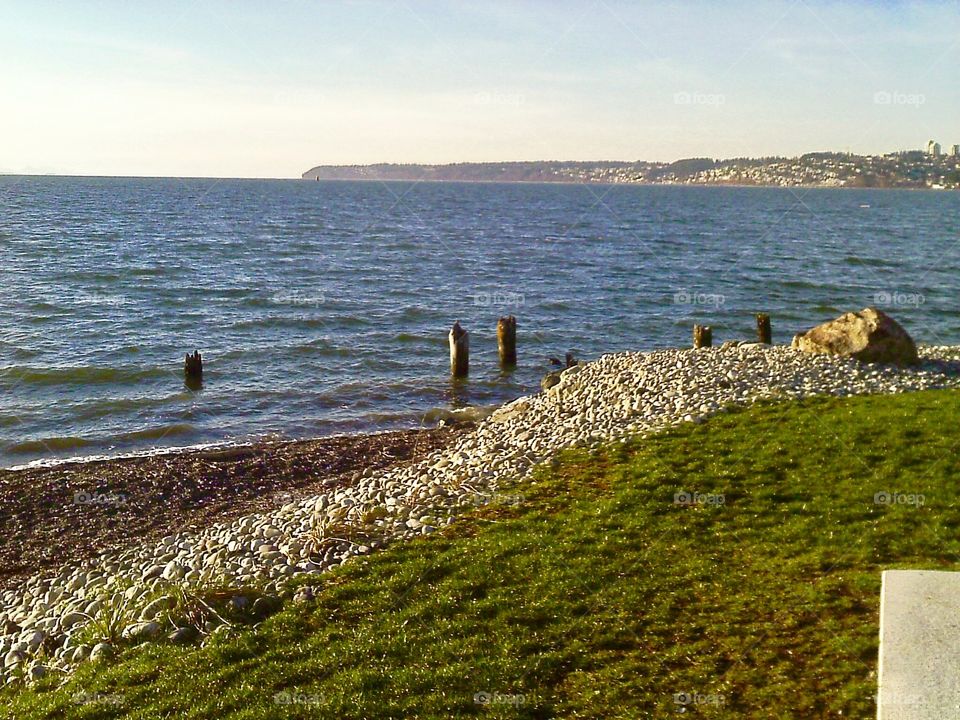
column 49, row 618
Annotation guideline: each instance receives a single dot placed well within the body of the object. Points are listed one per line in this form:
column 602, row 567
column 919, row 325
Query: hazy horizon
column 243, row 90
column 411, row 163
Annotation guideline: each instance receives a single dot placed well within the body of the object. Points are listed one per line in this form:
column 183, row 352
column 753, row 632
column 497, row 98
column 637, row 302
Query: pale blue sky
column 256, row 89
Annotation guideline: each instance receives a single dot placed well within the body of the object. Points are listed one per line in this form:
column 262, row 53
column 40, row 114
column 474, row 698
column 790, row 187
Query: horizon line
column 298, row 176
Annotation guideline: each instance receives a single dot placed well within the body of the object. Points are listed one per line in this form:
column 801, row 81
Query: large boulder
column 869, row 335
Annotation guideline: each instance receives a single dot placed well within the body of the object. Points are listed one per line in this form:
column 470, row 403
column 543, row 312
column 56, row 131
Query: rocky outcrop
column 869, row 336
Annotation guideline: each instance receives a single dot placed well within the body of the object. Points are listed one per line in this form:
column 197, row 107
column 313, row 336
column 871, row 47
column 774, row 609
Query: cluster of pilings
column 459, row 351
column 703, row 334
column 460, row 346
column 459, row 340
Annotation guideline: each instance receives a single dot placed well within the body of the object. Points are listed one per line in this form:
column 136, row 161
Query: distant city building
column 955, row 150
column 933, row 148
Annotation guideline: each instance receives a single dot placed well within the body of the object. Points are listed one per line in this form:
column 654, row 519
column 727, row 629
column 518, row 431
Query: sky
column 233, row 88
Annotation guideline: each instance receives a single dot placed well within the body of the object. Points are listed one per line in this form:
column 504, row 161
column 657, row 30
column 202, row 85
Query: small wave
column 148, row 271
column 402, row 245
column 44, row 306
column 321, row 347
column 156, row 433
column 801, row 284
column 354, row 321
column 236, row 293
column 405, row 337
column 414, row 312
column 104, row 277
column 20, row 353
column 387, row 419
column 826, row 309
column 302, row 322
column 51, row 444
column 80, row 375
column 151, row 452
column 867, row 262
column 97, row 408
column 257, row 301
column 57, row 444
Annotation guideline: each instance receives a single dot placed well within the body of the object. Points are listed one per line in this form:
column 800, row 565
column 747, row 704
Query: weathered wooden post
column 459, row 351
column 763, row 328
column 702, row 336
column 193, row 365
column 193, row 369
column 507, row 340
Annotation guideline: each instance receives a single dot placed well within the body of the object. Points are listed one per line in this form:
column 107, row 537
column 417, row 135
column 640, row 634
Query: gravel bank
column 44, row 618
column 78, row 510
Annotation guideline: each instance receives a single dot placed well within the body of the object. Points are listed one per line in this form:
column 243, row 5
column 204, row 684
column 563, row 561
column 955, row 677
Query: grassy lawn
column 598, row 595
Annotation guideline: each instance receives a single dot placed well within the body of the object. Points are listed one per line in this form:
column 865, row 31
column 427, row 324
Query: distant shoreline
column 906, row 169
column 435, row 181
column 438, row 181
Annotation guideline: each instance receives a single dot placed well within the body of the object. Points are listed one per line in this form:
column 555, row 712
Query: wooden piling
column 459, row 351
column 193, row 365
column 507, row 340
column 193, row 370
column 702, row 336
column 764, row 333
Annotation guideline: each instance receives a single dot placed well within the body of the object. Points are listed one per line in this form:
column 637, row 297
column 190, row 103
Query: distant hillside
column 539, row 171
column 909, row 169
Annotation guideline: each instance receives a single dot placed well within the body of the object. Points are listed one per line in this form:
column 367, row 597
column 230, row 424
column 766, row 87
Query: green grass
column 598, row 596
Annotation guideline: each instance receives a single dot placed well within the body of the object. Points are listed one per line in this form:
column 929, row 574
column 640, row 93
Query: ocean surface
column 324, row 307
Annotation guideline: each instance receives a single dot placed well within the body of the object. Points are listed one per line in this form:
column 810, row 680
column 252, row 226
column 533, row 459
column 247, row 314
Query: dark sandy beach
column 75, row 511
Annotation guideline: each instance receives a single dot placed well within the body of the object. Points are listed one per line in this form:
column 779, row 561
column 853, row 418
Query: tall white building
column 933, row 148
column 955, row 150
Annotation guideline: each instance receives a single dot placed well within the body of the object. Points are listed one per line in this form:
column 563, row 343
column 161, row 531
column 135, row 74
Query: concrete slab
column 919, row 675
